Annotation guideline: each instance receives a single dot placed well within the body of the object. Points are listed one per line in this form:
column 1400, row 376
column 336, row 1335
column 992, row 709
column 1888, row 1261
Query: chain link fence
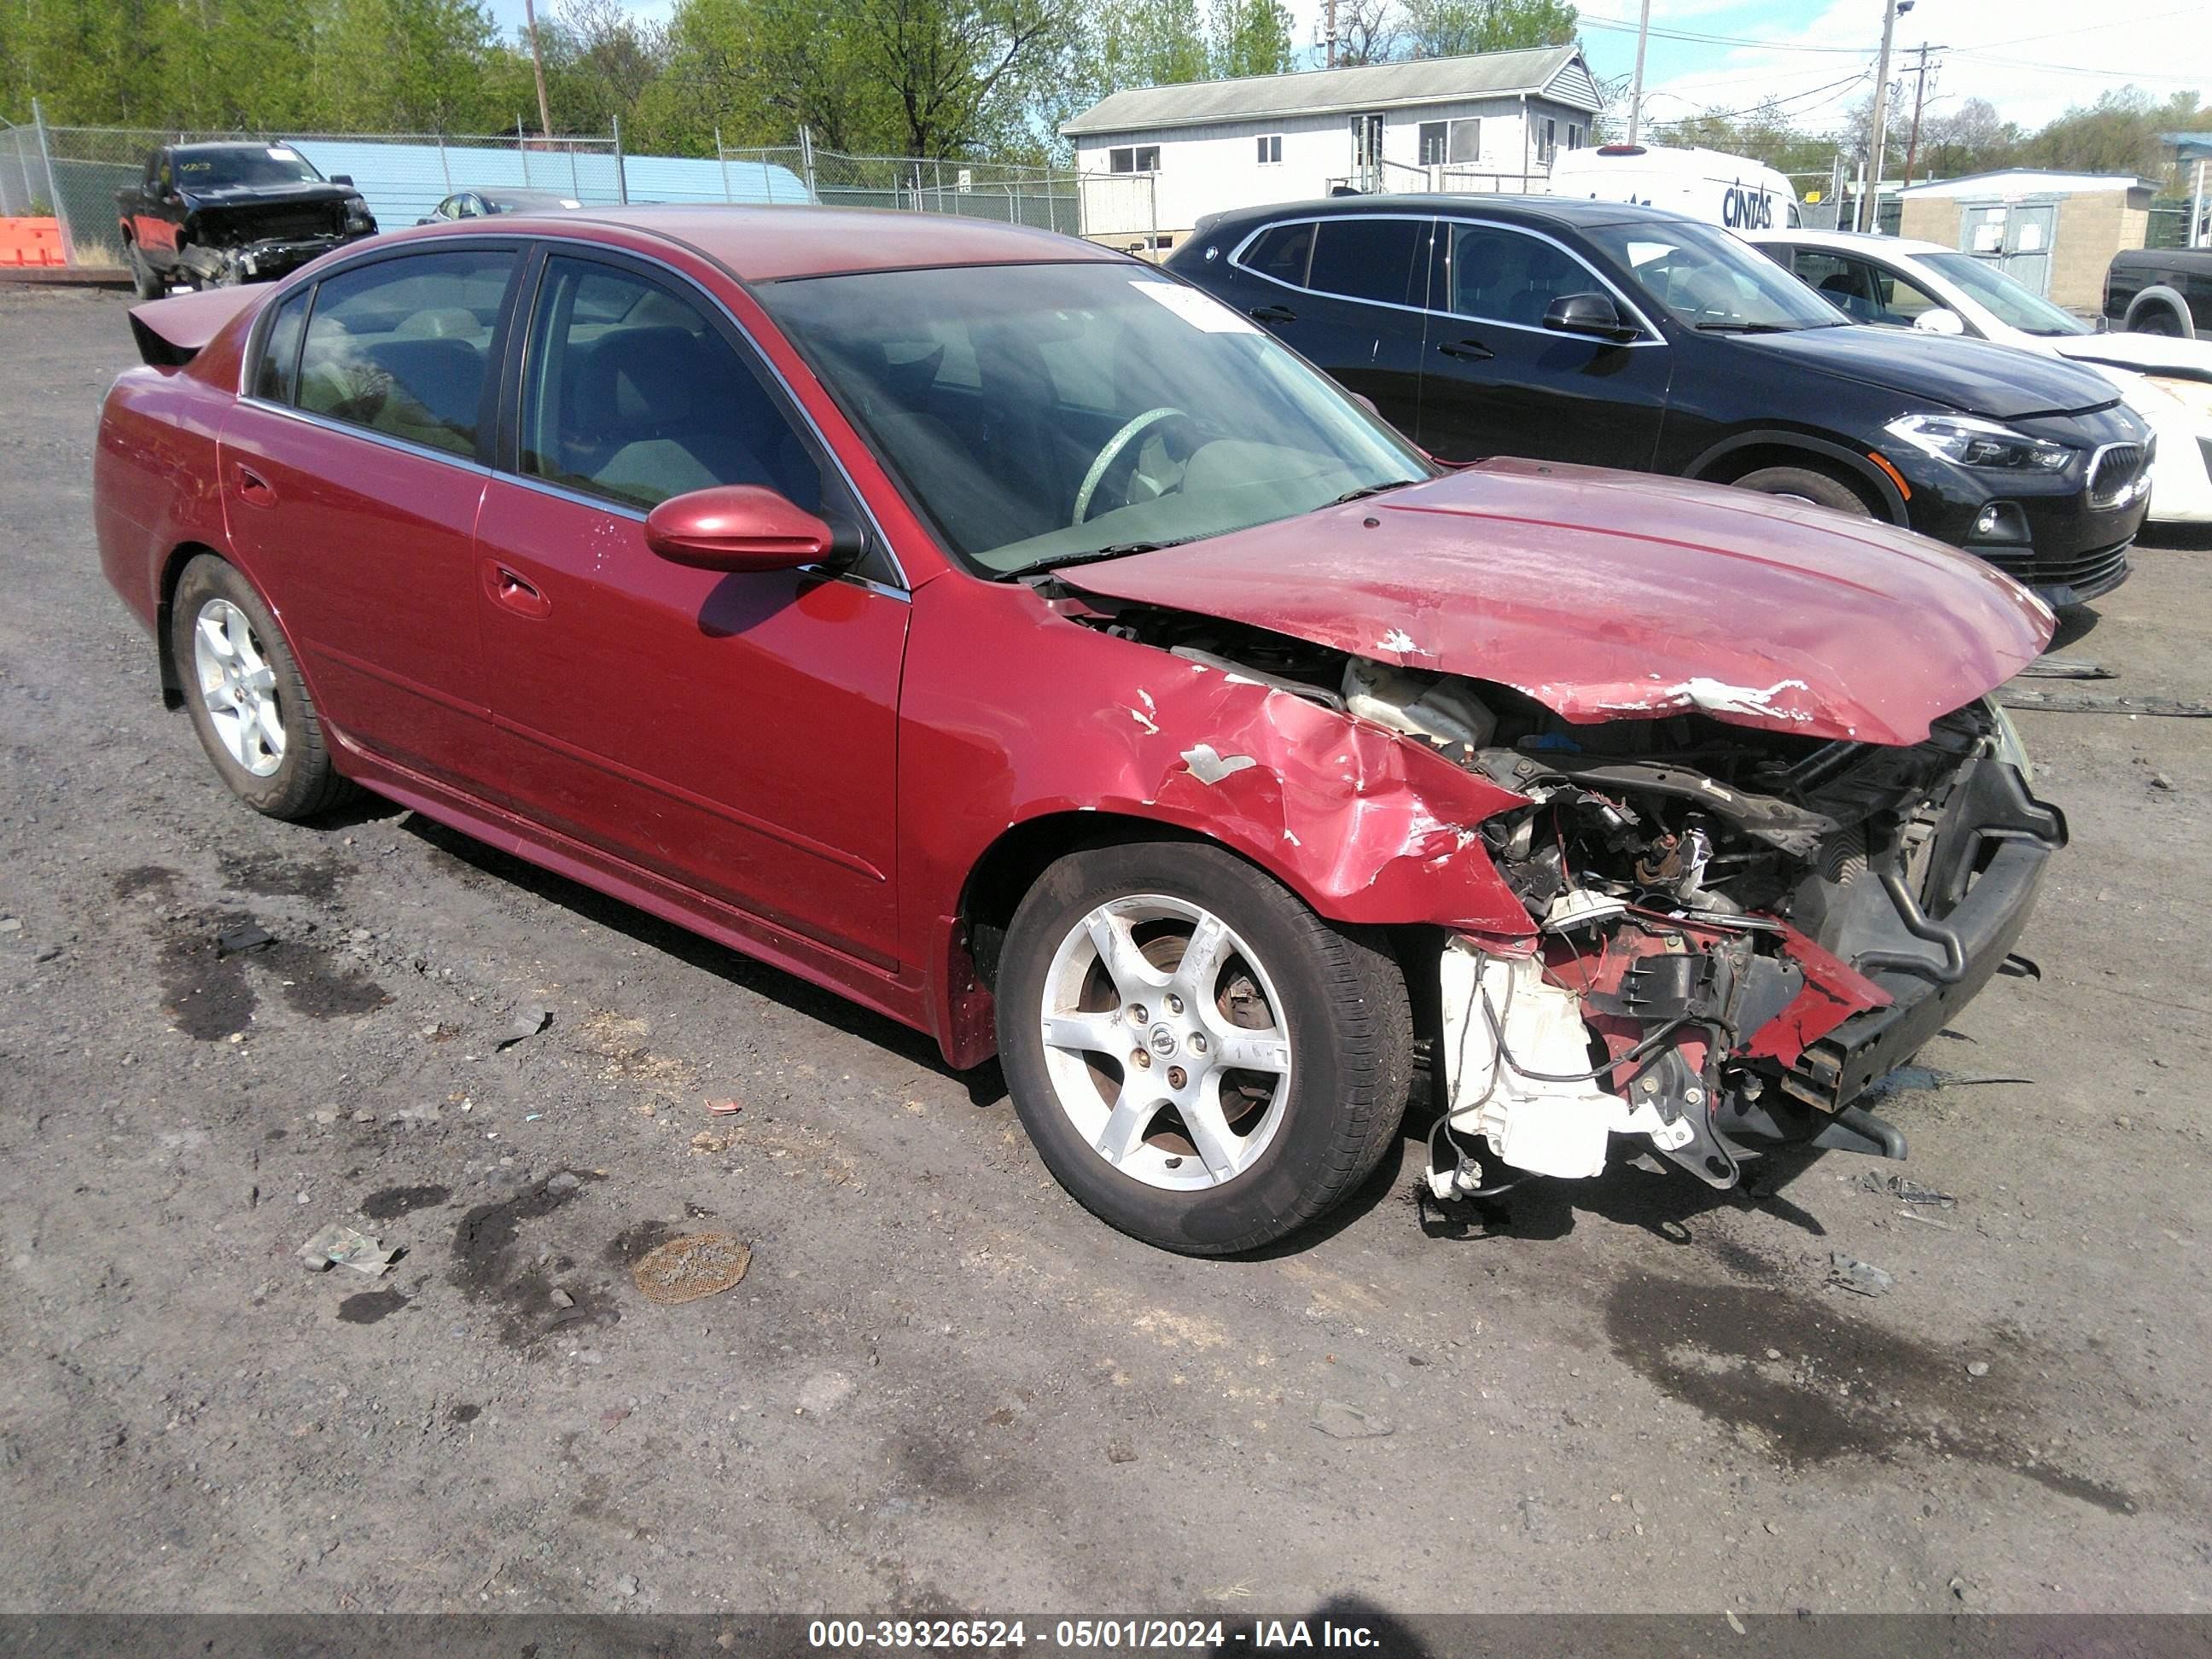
column 1007, row 192
column 72, row 174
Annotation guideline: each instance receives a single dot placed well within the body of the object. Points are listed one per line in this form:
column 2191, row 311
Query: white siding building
column 1156, row 160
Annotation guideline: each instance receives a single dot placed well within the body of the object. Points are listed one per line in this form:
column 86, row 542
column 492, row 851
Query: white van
column 1732, row 191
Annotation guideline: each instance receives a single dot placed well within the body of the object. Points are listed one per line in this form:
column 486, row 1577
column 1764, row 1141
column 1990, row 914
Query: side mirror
column 345, row 178
column 1588, row 313
column 1939, row 321
column 737, row 527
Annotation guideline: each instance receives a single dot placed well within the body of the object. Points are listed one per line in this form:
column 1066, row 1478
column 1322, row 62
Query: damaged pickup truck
column 208, row 215
column 1004, row 634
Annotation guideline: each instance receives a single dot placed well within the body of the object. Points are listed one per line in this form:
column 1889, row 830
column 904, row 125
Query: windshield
column 2003, row 297
column 1040, row 413
column 1708, row 280
column 221, row 169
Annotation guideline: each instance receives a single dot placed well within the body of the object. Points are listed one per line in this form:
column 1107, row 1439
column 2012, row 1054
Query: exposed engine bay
column 1733, row 931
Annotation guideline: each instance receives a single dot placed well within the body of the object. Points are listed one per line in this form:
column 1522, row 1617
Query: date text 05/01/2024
column 1087, row 1634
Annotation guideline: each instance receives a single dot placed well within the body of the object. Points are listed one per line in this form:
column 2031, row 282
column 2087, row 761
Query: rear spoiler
column 170, row 333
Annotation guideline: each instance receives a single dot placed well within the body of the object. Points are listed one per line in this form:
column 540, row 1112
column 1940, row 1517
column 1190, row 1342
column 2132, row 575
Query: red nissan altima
column 1011, row 637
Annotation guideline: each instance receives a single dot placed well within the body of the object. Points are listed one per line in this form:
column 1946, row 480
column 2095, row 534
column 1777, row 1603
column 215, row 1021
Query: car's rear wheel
column 2156, row 320
column 1802, row 484
column 1199, row 1058
column 248, row 702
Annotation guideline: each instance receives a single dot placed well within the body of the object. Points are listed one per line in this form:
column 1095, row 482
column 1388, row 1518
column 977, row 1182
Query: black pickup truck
column 208, row 215
column 2161, row 291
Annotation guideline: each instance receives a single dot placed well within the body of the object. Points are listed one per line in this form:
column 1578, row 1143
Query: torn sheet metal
column 1626, row 597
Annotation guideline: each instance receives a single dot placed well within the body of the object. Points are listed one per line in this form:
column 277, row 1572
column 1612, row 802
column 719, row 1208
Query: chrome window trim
column 522, row 243
column 405, row 446
column 1650, row 335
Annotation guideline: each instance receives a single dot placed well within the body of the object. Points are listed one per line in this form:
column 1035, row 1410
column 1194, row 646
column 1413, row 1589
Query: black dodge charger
column 1629, row 336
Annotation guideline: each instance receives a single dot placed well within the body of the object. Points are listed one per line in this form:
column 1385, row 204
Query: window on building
column 1271, row 149
column 1453, row 142
column 1135, row 158
column 1550, row 140
column 1574, row 136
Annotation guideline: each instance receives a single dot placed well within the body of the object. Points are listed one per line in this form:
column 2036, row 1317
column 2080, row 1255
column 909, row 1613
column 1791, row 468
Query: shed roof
column 2029, row 181
column 1557, row 72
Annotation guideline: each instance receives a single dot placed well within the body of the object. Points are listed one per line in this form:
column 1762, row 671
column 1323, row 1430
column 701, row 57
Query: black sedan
column 1629, row 336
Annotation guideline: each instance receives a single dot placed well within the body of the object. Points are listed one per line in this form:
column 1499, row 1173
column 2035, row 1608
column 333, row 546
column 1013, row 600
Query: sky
column 2031, row 59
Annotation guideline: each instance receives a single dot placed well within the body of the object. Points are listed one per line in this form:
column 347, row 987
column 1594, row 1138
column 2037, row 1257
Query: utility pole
column 1869, row 201
column 1332, row 34
column 1919, row 97
column 537, row 64
column 1635, row 87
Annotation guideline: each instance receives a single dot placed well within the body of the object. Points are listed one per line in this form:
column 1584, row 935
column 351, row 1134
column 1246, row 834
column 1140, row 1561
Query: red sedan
column 1007, row 635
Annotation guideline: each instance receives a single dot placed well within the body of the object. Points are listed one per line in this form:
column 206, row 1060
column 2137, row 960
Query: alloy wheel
column 239, row 687
column 1163, row 1043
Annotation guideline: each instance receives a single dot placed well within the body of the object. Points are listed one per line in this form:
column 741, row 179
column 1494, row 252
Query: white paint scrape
column 1209, row 765
column 1399, row 640
column 1719, row 697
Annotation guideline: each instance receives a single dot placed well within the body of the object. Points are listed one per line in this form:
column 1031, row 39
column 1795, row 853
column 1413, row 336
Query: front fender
column 1367, row 827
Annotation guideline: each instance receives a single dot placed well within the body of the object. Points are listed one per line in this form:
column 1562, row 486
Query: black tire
column 1803, row 483
column 1344, row 1010
column 144, row 282
column 304, row 782
column 2156, row 320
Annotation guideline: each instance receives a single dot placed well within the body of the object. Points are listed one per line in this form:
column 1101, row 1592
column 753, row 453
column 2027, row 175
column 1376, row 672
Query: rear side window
column 277, row 373
column 631, row 393
column 1282, row 252
column 1370, row 259
column 402, row 346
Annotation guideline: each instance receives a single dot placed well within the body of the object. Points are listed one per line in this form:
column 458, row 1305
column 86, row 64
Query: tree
column 1369, row 32
column 1972, row 138
column 1453, row 28
column 903, row 77
column 1251, row 37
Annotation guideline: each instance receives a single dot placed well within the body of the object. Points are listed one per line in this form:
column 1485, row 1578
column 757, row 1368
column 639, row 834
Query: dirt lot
column 941, row 1385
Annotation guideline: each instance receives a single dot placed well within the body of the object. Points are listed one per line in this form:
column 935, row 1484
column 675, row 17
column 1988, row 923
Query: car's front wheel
column 1802, row 484
column 145, row 283
column 1199, row 1058
column 248, row 702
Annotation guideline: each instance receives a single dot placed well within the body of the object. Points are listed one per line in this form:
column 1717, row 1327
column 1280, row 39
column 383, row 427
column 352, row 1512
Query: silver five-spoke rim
column 239, row 687
column 1164, row 1042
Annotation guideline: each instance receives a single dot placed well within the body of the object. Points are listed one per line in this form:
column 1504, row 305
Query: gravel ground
column 941, row 1386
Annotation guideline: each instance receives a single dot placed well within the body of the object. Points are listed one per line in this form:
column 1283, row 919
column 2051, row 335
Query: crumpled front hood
column 305, row 193
column 1615, row 595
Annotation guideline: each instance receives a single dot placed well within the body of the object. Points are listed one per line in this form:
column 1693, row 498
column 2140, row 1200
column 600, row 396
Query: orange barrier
column 30, row 242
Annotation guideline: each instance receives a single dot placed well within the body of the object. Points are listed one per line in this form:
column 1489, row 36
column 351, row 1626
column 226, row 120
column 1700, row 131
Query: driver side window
column 631, row 393
column 1502, row 276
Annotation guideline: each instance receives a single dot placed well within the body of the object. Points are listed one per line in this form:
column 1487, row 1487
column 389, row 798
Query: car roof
column 1578, row 211
column 264, row 145
column 767, row 244
column 1844, row 241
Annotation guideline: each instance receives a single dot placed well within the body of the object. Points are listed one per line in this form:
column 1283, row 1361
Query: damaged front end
column 1737, row 933
column 223, row 246
column 1732, row 931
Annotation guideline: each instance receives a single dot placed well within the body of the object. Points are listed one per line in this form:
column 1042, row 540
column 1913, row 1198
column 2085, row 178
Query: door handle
column 515, row 592
column 254, row 488
column 1274, row 314
column 1473, row 351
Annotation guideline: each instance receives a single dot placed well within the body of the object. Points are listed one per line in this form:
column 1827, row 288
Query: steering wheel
column 1106, row 456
